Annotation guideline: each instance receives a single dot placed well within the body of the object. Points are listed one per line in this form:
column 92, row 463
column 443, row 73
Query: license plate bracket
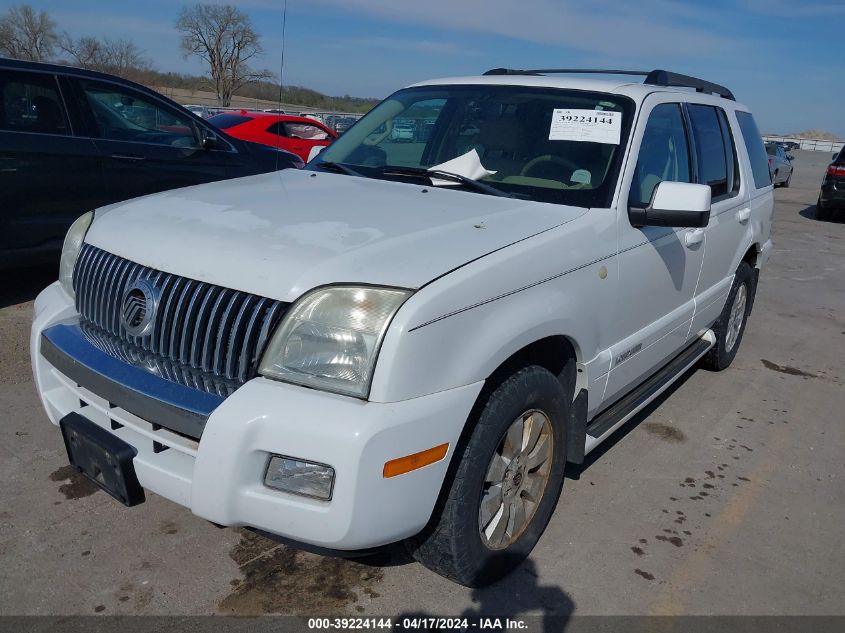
column 103, row 458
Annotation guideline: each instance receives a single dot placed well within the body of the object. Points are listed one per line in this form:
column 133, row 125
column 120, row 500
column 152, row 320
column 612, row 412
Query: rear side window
column 225, row 121
column 756, row 151
column 30, row 102
column 712, row 156
column 306, row 131
column 664, row 154
column 730, row 152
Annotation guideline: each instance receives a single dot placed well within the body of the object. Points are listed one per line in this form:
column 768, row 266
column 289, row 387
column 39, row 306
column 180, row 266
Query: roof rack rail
column 663, row 78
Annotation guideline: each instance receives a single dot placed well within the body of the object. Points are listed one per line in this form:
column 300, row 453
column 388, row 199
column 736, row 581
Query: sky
column 783, row 58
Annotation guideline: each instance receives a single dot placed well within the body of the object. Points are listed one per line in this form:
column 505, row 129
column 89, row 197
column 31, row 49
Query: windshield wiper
column 340, row 167
column 421, row 172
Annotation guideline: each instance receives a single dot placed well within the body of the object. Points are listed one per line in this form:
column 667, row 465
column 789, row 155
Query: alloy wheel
column 516, row 479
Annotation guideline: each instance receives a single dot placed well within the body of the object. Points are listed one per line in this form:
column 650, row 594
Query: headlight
column 70, row 250
column 330, row 338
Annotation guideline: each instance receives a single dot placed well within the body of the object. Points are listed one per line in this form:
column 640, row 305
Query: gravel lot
column 725, row 497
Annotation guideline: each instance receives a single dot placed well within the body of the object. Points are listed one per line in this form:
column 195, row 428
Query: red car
column 292, row 133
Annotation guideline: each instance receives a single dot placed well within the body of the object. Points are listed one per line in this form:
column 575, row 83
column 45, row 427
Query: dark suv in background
column 832, row 194
column 73, row 140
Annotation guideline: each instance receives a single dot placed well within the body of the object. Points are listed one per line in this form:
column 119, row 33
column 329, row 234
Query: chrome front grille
column 210, row 336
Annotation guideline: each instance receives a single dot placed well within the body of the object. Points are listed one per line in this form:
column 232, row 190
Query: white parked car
column 409, row 342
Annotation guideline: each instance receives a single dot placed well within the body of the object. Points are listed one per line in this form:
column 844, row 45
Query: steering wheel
column 548, row 158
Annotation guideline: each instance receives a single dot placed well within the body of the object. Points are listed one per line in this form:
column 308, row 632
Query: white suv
column 409, row 340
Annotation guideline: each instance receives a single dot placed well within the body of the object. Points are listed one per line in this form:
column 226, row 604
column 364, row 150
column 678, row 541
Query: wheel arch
column 560, row 355
column 752, row 255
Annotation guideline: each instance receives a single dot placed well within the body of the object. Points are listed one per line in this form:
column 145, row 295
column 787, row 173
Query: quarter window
column 30, row 102
column 278, row 129
column 664, row 154
column 755, row 148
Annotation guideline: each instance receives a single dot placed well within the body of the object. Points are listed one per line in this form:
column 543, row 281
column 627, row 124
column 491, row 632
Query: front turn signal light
column 402, row 465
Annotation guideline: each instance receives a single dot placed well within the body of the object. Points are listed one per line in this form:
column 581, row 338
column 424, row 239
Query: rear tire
column 775, row 179
column 481, row 530
column 823, row 212
column 731, row 324
column 788, row 179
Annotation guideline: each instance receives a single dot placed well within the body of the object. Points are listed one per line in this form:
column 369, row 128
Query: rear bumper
column 220, row 476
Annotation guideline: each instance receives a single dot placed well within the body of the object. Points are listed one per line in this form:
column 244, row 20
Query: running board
column 635, row 401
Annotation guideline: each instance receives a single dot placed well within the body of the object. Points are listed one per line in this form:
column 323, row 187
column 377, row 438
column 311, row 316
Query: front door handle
column 132, row 158
column 693, row 237
column 743, row 215
column 8, row 165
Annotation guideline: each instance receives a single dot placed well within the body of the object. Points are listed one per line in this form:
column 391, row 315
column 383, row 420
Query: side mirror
column 209, row 139
column 312, row 154
column 835, row 156
column 674, row 204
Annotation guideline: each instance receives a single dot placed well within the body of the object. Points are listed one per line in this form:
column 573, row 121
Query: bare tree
column 118, row 57
column 223, row 37
column 85, row 52
column 27, row 34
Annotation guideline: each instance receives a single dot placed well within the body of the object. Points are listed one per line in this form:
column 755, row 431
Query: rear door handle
column 743, row 215
column 132, row 158
column 693, row 237
column 8, row 165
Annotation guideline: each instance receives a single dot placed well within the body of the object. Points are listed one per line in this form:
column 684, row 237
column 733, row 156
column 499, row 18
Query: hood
column 281, row 234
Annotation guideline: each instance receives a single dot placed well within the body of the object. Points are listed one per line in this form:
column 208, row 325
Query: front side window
column 30, row 102
column 124, row 115
column 756, row 150
column 543, row 144
column 664, row 154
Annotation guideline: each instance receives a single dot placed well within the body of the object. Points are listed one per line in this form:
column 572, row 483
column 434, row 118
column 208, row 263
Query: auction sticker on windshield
column 594, row 126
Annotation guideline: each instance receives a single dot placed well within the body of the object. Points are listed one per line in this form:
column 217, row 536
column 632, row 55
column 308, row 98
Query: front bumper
column 220, row 476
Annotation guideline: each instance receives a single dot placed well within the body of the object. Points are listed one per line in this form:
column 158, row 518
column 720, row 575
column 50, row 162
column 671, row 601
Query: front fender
column 459, row 329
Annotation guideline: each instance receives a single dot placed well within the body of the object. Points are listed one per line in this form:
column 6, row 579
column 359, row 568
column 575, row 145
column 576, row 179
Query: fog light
column 299, row 477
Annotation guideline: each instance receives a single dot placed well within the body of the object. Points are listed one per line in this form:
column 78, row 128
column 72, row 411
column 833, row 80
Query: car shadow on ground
column 810, row 213
column 24, row 284
column 518, row 596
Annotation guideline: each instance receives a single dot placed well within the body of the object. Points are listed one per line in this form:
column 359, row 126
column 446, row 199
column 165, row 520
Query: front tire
column 506, row 485
column 731, row 324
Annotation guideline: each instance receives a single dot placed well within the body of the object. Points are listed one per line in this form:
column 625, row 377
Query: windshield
column 544, row 144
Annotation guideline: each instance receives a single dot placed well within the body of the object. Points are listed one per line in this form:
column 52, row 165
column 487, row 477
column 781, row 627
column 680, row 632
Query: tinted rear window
column 756, row 152
column 225, row 121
